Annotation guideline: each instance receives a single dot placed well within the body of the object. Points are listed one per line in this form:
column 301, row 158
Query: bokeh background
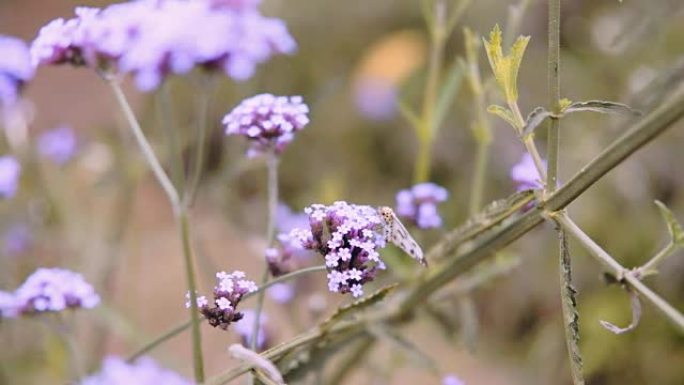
column 104, row 215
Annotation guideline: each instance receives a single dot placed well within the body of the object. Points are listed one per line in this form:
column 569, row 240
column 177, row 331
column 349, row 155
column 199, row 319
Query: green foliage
column 504, row 113
column 674, row 228
column 506, row 67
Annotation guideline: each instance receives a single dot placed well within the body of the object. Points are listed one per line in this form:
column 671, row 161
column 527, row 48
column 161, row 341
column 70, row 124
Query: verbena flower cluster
column 152, row 38
column 349, row 237
column 15, row 68
column 143, row 371
column 525, row 174
column 58, row 144
column 49, row 290
column 268, row 121
column 228, row 293
column 419, row 204
column 10, row 171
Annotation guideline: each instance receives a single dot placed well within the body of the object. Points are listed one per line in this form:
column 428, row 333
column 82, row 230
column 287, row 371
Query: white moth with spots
column 396, row 233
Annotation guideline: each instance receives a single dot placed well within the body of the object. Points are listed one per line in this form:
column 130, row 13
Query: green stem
column 181, row 215
column 652, row 265
column 553, row 145
column 620, row 272
column 528, row 141
column 427, row 130
column 176, row 330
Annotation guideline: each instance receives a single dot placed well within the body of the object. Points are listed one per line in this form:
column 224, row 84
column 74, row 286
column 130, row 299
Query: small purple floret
column 525, row 174
column 15, row 68
column 419, row 204
column 10, row 170
column 228, row 293
column 58, row 145
column 143, row 371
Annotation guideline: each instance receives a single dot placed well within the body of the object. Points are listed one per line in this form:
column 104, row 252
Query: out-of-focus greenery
column 102, row 205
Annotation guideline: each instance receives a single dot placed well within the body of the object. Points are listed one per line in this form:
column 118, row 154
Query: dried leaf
column 258, row 362
column 636, row 316
column 534, row 119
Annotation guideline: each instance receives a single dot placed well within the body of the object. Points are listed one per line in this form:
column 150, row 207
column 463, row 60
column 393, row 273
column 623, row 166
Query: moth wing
column 401, row 237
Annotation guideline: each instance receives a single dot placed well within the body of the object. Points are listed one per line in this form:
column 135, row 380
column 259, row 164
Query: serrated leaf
column 636, row 316
column 502, row 112
column 602, row 106
column 448, row 92
column 362, row 303
column 516, row 55
column 534, row 119
column 673, row 226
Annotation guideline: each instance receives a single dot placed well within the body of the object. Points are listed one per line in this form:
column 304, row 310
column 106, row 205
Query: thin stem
column 171, row 132
column 195, row 176
column 553, row 145
column 652, row 264
column 427, row 130
column 181, row 215
column 176, row 330
column 272, row 187
column 145, row 146
column 620, row 272
column 184, row 228
column 528, row 141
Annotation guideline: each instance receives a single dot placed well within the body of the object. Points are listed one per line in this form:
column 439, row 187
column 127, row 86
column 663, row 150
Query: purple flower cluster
column 15, row 68
column 228, row 293
column 10, row 170
column 245, row 326
column 452, row 380
column 49, row 290
column 58, row 144
column 152, row 38
column 351, row 249
column 143, row 371
column 268, row 121
column 419, row 204
column 525, row 174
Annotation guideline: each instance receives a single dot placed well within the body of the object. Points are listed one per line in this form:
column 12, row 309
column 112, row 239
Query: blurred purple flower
column 58, row 145
column 152, row 38
column 351, row 250
column 375, row 98
column 282, row 293
column 286, row 219
column 244, row 328
column 419, row 204
column 143, row 371
column 15, row 68
column 525, row 174
column 452, row 380
column 10, row 170
column 268, row 121
column 228, row 293
column 16, row 239
column 51, row 290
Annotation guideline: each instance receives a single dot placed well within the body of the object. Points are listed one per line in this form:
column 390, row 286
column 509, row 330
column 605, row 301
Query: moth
column 395, row 232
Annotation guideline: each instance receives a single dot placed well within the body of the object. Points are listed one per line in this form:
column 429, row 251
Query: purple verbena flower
column 10, row 170
column 16, row 239
column 375, row 98
column 15, row 68
column 245, row 326
column 51, row 290
column 282, row 293
column 228, row 293
column 153, row 38
column 351, row 249
column 143, row 371
column 525, row 174
column 269, row 122
column 419, row 204
column 452, row 380
column 58, row 144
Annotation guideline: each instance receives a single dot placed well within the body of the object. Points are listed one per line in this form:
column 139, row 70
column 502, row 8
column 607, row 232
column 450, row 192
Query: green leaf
column 502, row 112
column 534, row 119
column 601, row 106
column 506, row 67
column 673, row 226
column 516, row 55
column 448, row 92
column 563, row 104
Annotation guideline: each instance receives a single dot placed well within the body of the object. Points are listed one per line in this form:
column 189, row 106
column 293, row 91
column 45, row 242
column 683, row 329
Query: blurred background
column 101, row 212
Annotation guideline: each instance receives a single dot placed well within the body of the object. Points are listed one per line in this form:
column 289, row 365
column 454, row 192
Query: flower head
column 15, row 68
column 525, row 174
column 419, row 204
column 10, row 170
column 58, row 145
column 244, row 328
column 143, row 371
column 269, row 122
column 50, row 290
column 281, row 293
column 351, row 249
column 151, row 39
column 228, row 293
